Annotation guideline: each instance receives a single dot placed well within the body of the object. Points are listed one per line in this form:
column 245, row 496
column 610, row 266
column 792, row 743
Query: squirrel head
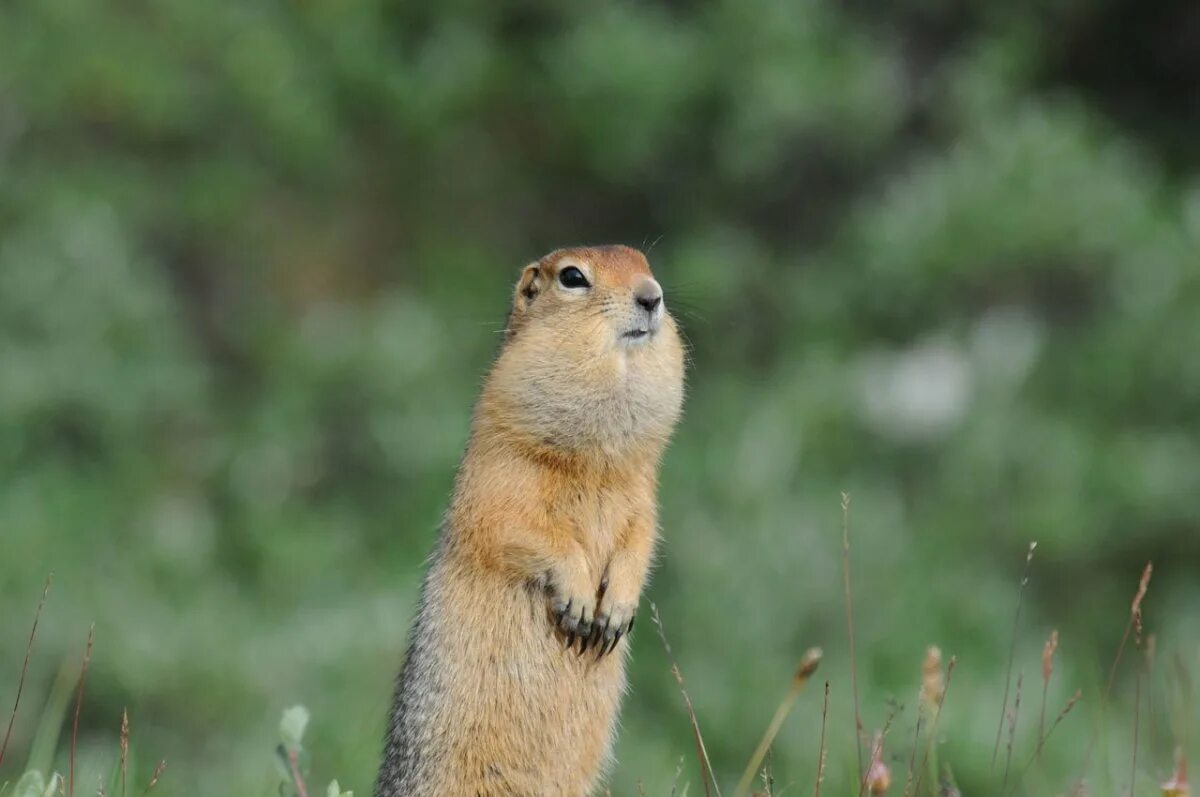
column 592, row 360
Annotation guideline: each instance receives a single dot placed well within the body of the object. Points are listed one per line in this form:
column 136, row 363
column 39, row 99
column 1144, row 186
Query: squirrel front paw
column 573, row 605
column 614, row 619
column 574, row 616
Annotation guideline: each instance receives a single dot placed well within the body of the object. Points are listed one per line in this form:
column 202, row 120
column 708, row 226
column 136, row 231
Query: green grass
column 897, row 761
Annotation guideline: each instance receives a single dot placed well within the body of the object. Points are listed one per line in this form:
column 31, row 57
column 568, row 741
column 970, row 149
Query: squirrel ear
column 528, row 287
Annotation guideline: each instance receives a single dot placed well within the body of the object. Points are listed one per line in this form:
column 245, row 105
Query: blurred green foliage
column 253, row 262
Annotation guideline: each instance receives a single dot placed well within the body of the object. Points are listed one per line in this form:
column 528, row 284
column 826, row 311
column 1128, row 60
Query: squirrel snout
column 648, row 295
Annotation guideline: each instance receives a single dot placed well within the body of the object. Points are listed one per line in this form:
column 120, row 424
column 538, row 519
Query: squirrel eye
column 571, row 277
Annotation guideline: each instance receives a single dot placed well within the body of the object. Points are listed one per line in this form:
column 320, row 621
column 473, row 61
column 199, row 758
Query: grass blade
column 808, row 665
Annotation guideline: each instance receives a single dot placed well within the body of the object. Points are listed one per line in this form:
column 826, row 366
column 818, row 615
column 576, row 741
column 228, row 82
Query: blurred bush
column 254, row 259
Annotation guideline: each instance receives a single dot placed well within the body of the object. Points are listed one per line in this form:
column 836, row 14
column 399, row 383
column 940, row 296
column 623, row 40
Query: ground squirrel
column 516, row 667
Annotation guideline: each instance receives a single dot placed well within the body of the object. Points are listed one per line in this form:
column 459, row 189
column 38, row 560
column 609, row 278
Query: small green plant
column 293, row 760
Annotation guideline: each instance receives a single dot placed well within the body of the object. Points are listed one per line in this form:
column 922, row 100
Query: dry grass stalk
column 821, row 747
column 932, row 689
column 706, row 776
column 932, row 681
column 1136, row 610
column 849, row 596
column 1012, row 649
column 1135, row 620
column 124, row 751
column 1048, row 651
column 158, row 770
column 937, row 715
column 12, row 719
column 1012, row 729
column 804, row 671
column 87, row 658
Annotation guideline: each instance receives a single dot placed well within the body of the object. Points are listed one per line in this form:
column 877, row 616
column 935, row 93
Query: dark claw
column 632, row 620
column 597, row 640
column 584, row 642
column 570, row 639
column 560, row 611
column 616, row 640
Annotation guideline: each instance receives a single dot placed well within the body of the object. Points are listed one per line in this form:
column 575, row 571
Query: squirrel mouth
column 637, row 334
column 642, row 329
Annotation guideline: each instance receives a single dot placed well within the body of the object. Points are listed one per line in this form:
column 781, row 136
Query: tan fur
column 554, row 505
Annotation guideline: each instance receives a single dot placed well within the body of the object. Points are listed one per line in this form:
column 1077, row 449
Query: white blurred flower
column 915, row 394
column 1005, row 344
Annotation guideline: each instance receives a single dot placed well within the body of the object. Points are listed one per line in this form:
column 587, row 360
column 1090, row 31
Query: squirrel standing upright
column 516, row 667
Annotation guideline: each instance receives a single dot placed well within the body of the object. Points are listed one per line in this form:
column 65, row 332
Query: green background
column 254, row 258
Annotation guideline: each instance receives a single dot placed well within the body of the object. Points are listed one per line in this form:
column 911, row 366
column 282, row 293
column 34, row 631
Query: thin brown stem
column 294, row 765
column 821, row 747
column 849, row 596
column 87, row 658
column 25, row 667
column 1012, row 650
column 706, row 776
column 1012, row 730
column 1042, row 718
column 1137, row 699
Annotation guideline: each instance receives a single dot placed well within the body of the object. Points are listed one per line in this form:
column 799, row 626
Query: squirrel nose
column 648, row 296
